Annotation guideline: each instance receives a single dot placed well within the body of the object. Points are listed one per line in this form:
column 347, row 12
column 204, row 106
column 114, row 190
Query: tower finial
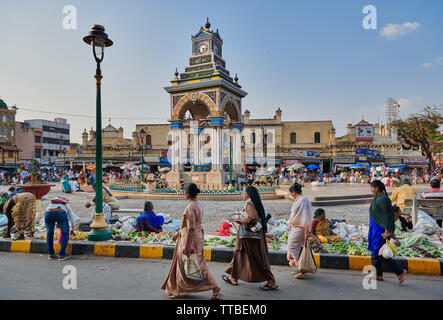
column 208, row 24
column 236, row 78
column 176, row 73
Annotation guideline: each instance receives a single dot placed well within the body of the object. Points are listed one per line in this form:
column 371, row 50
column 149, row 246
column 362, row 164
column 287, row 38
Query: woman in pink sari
column 299, row 227
column 190, row 239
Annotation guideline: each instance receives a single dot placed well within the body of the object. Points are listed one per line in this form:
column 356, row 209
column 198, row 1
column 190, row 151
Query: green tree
column 422, row 130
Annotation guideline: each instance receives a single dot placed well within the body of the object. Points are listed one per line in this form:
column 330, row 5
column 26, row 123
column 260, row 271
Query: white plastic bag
column 127, row 227
column 386, row 252
column 425, row 224
column 166, row 216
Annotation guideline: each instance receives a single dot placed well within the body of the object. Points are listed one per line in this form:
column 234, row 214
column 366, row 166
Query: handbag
column 306, row 262
column 192, row 270
column 245, row 233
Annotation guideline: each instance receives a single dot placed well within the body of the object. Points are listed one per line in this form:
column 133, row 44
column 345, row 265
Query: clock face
column 203, row 47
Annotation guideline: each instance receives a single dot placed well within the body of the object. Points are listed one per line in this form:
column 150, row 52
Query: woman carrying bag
column 381, row 228
column 299, row 226
column 251, row 261
column 189, row 272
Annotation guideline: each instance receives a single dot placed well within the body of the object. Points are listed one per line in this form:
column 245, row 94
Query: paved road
column 33, row 276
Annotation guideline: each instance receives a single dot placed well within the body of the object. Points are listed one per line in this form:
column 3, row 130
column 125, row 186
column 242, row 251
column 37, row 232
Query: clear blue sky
column 313, row 59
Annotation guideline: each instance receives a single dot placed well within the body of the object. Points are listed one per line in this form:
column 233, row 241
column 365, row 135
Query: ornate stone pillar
column 197, row 145
column 177, row 146
column 217, row 144
column 236, row 147
column 216, row 175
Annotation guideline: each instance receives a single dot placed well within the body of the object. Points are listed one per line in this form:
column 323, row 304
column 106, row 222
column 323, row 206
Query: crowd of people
column 251, row 262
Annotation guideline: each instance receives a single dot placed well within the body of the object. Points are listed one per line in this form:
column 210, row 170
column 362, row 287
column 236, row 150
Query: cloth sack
column 306, row 262
column 192, row 270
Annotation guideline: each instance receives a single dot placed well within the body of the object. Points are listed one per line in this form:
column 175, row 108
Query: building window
column 293, row 138
column 253, row 138
column 148, row 140
column 317, row 137
column 37, row 153
column 270, row 138
column 38, row 139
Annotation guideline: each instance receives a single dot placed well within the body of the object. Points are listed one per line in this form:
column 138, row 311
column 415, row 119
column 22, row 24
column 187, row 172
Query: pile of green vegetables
column 215, row 241
column 275, row 245
column 346, row 248
column 152, row 237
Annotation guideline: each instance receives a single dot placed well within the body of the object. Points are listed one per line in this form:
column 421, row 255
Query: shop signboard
column 311, row 153
column 416, row 160
column 297, row 153
column 367, row 152
column 290, row 162
column 152, row 159
column 344, row 160
column 394, row 161
column 364, row 132
column 311, row 160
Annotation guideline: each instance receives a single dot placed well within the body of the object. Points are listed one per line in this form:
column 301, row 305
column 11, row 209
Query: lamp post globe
column 98, row 39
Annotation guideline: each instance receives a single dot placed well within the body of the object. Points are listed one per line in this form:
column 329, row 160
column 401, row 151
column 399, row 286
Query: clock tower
column 208, row 95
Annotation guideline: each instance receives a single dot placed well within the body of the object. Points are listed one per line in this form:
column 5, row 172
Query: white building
column 55, row 137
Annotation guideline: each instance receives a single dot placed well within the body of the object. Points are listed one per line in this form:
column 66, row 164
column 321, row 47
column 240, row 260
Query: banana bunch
column 79, row 236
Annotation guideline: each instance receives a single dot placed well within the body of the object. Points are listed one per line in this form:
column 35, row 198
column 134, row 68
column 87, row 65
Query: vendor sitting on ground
column 321, row 228
column 148, row 220
column 20, row 211
column 109, row 198
column 406, row 223
column 107, row 210
column 66, row 186
column 13, row 191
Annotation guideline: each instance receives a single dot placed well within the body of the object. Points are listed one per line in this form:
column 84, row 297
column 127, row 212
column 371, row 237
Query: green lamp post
column 230, row 163
column 15, row 159
column 142, row 134
column 98, row 39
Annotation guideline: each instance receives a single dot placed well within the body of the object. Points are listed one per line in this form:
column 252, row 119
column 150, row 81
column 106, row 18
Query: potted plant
column 37, row 186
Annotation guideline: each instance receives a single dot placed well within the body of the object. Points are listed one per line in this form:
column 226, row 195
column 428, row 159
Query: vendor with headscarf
column 299, row 227
column 381, row 228
column 251, row 262
column 322, row 227
column 148, row 220
column 109, row 199
column 20, row 211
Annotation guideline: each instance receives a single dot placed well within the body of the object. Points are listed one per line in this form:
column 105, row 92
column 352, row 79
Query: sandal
column 216, row 296
column 268, row 287
column 228, row 280
column 299, row 275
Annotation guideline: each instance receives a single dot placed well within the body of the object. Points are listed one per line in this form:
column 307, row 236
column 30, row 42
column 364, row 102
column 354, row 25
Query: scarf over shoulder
column 382, row 213
column 301, row 214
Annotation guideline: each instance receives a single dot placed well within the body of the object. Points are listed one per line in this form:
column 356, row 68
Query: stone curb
column 419, row 266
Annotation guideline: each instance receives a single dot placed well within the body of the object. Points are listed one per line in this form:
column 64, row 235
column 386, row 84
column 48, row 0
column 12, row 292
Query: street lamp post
column 230, row 162
column 142, row 133
column 98, row 39
column 15, row 159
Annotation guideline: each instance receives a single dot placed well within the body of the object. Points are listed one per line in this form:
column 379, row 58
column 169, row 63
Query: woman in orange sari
column 190, row 240
column 322, row 227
